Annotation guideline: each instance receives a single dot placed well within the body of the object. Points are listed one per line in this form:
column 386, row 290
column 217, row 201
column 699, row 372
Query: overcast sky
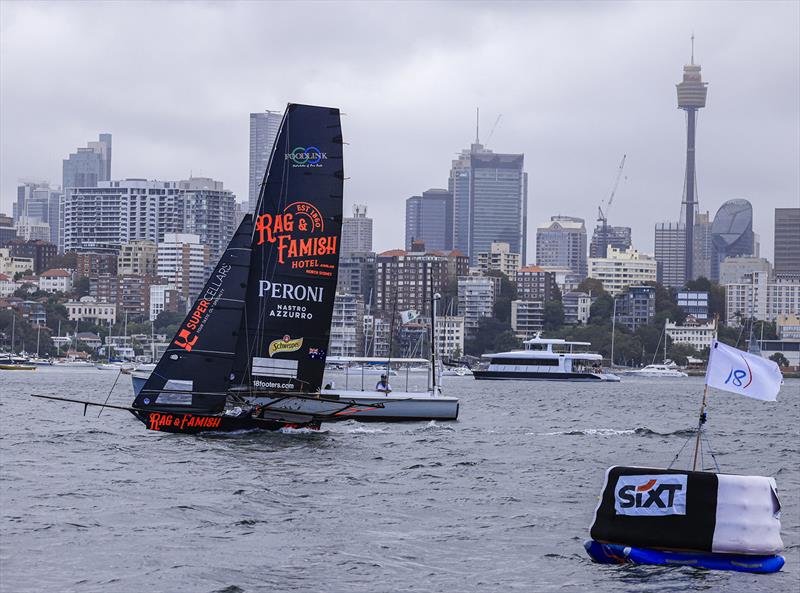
column 577, row 84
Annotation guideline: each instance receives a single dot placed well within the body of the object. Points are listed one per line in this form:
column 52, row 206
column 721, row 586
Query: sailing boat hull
column 196, row 423
column 620, row 554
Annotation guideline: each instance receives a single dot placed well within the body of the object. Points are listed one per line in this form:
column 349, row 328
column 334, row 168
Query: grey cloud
column 578, row 84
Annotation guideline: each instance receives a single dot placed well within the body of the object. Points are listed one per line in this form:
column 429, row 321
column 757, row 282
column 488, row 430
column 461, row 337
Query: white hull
column 398, row 406
column 666, row 374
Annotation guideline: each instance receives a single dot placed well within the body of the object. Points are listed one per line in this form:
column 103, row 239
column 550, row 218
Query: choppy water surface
column 499, row 501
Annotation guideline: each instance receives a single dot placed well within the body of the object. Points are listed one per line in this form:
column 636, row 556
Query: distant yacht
column 668, row 369
column 548, row 360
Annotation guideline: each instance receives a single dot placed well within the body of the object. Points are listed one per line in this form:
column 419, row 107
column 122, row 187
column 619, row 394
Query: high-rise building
column 635, row 306
column 90, row 264
column 537, row 284
column 732, row 270
column 209, row 210
column 694, row 303
column 562, row 244
column 577, row 307
column 182, row 261
column 476, row 298
column 357, row 276
column 527, row 318
column 618, row 237
column 406, row 279
column 449, row 336
column 490, row 201
column 670, row 253
column 347, row 326
column 429, row 218
column 138, row 258
column 692, row 93
column 356, row 232
column 732, row 233
column 88, row 166
column 703, row 246
column 32, row 229
column 7, row 230
column 787, row 243
column 263, row 131
column 500, row 258
column 36, row 200
column 758, row 297
column 118, row 212
column 622, row 269
column 41, row 252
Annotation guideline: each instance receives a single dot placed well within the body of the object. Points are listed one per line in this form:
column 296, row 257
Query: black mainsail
column 194, row 372
column 295, row 256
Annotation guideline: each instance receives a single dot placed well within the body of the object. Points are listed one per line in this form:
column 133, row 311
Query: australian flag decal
column 316, row 353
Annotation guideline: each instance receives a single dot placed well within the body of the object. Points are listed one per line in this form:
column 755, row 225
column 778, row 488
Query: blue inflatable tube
column 618, row 554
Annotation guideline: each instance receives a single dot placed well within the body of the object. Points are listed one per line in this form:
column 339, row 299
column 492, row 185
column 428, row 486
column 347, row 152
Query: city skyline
column 572, row 117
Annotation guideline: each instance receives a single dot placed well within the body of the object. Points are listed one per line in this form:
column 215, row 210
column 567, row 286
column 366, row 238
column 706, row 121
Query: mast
column 38, row 338
column 613, row 331
column 702, row 419
column 434, row 298
column 13, row 324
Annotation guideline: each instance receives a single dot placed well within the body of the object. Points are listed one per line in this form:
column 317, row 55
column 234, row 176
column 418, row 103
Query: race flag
column 408, row 316
column 732, row 370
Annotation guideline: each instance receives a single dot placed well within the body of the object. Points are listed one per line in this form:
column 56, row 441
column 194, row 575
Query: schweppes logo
column 285, row 344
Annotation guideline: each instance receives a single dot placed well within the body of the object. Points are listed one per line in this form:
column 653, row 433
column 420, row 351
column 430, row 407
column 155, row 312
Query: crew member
column 383, row 385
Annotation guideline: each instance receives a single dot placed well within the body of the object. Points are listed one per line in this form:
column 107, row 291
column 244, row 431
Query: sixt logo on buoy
column 651, row 495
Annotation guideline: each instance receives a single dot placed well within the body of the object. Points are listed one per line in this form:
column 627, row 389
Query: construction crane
column 602, row 211
column 494, row 127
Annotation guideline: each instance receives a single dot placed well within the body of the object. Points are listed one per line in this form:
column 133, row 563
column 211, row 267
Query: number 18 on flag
column 732, row 370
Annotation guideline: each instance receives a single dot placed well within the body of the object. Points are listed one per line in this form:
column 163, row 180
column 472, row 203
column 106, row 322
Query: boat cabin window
column 536, row 347
column 579, row 365
column 538, row 362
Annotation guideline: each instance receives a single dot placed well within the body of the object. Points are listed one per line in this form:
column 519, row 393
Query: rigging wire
column 109, row 392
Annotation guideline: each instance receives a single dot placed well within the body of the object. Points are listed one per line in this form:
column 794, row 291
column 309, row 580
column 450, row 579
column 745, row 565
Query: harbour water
column 499, row 501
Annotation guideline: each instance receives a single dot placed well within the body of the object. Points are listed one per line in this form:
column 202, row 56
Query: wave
column 606, row 432
column 432, row 425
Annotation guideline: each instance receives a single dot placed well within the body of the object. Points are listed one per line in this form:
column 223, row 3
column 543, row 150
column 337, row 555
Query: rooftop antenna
column 477, row 125
column 692, row 47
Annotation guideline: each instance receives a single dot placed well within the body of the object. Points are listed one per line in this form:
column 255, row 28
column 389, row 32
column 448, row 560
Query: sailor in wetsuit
column 383, row 385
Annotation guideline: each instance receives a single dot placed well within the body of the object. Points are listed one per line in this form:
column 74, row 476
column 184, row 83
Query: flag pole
column 700, row 423
column 703, row 417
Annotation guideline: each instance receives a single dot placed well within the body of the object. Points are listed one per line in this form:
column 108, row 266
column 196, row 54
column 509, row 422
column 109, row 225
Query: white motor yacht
column 668, row 369
column 546, row 360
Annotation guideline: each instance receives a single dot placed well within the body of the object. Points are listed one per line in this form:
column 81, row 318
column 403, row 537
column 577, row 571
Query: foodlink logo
column 651, row 495
column 297, row 234
column 306, row 157
column 285, row 344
